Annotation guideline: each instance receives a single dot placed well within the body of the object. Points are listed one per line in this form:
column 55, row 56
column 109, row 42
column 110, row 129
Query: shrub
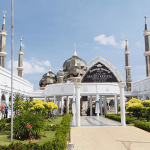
column 142, row 125
column 2, row 126
column 18, row 103
column 22, row 120
column 58, row 142
column 117, row 117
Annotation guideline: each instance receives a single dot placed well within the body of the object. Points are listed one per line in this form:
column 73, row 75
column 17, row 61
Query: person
column 3, row 105
column 6, row 112
column 2, row 111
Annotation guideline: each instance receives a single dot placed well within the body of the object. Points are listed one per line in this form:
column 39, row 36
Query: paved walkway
column 109, row 137
column 95, row 121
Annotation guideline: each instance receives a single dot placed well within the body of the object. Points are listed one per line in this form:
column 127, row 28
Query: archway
column 3, row 99
column 99, row 72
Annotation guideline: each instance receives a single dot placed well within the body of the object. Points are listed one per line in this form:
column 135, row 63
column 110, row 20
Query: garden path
column 95, row 121
column 109, row 137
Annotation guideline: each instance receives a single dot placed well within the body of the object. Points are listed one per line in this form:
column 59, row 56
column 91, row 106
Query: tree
column 18, row 103
column 146, row 109
column 135, row 105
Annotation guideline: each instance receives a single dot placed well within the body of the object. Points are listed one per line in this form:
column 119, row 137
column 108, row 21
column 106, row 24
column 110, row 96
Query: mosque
column 97, row 81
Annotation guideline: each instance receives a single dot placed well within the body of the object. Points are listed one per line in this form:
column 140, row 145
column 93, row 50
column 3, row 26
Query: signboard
column 99, row 73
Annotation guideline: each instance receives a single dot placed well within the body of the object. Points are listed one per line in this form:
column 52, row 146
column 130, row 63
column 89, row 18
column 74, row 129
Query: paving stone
column 99, row 133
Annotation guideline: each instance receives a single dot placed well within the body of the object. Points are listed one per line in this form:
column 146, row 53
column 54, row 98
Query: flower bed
column 59, row 142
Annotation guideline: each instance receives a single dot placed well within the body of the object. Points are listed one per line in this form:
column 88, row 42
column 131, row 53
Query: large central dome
column 73, row 61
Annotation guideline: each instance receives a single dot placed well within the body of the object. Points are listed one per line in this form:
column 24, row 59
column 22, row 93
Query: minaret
column 75, row 53
column 147, row 47
column 3, row 35
column 127, row 68
column 20, row 60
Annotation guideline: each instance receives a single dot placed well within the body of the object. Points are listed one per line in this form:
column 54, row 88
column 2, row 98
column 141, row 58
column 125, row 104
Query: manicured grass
column 5, row 135
column 5, row 138
column 49, row 136
column 56, row 121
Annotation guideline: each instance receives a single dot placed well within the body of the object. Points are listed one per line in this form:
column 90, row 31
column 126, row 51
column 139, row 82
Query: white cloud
column 102, row 39
column 15, row 64
column 96, row 47
column 140, row 67
column 46, row 63
column 122, row 44
column 41, row 63
column 137, row 43
column 31, row 66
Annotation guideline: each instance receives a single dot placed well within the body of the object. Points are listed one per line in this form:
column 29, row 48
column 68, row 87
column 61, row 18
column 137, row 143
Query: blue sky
column 50, row 29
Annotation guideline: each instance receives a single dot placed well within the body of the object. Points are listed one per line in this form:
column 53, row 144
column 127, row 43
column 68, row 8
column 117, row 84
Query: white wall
column 142, row 87
column 20, row 85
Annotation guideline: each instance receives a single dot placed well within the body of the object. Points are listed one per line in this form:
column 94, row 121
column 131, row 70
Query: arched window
column 3, row 97
column 147, row 98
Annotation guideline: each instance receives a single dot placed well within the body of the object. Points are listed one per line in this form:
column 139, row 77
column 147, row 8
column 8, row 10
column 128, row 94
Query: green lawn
column 5, row 138
column 5, row 135
column 49, row 136
column 56, row 121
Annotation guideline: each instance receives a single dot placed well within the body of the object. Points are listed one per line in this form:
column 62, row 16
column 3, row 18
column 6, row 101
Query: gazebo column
column 7, row 98
column 105, row 105
column 108, row 101
column 58, row 111
column 55, row 103
column 31, row 99
column 67, row 105
column 101, row 111
column 45, row 99
column 77, row 88
column 90, row 105
column 115, row 101
column 62, row 98
column 97, row 99
column 122, row 103
column 144, row 97
column 74, row 100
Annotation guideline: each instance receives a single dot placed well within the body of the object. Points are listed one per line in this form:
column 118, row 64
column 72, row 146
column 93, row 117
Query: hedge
column 140, row 124
column 117, row 117
column 59, row 142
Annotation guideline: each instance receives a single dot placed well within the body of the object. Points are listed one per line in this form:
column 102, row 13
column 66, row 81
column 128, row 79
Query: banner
column 99, row 73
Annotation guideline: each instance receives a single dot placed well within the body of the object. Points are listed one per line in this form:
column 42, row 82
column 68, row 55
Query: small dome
column 48, row 78
column 74, row 71
column 60, row 73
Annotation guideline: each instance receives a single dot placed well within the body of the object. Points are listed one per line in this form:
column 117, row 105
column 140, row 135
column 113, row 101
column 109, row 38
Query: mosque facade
column 97, row 80
column 21, row 85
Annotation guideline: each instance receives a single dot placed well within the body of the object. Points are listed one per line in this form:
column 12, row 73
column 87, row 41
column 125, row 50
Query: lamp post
column 12, row 26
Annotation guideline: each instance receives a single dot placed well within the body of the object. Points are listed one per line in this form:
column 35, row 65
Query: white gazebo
column 101, row 79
